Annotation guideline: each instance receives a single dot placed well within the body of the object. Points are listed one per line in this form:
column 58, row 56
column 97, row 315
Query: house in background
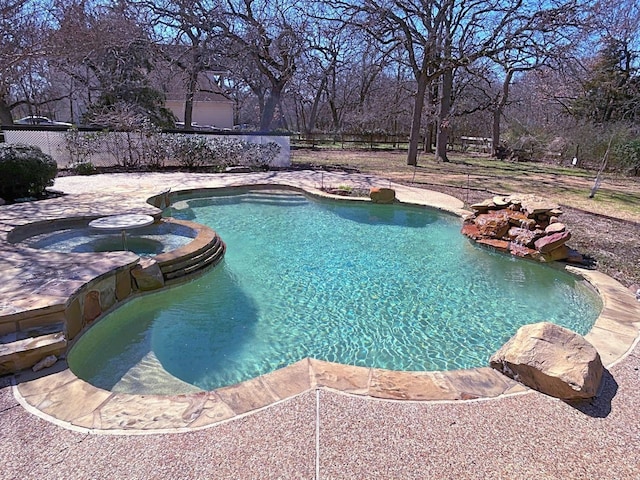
column 72, row 92
column 211, row 107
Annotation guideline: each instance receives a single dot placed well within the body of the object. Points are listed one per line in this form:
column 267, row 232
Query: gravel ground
column 334, row 436
column 275, row 443
column 523, row 437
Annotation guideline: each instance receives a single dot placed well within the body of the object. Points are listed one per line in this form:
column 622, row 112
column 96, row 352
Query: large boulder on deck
column 382, row 195
column 552, row 360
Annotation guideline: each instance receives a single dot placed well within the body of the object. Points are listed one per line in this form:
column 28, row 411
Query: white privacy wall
column 53, row 143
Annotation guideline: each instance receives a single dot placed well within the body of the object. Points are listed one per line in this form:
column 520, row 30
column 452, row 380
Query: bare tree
column 188, row 36
column 105, row 49
column 545, row 38
column 320, row 62
column 23, row 33
column 438, row 37
column 265, row 37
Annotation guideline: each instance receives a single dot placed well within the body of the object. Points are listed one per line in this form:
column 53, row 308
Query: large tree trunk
column 192, row 83
column 428, row 139
column 416, row 120
column 188, row 103
column 335, row 115
column 313, row 114
column 283, row 123
column 497, row 112
column 301, row 117
column 495, row 131
column 272, row 101
column 5, row 112
column 444, row 112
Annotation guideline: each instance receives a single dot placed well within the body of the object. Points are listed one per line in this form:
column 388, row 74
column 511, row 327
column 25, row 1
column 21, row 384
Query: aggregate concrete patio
column 324, row 433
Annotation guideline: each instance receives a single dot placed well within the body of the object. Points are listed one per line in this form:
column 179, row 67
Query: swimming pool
column 385, row 286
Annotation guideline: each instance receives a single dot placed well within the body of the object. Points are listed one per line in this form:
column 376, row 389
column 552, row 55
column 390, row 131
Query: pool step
column 253, row 196
column 208, row 262
column 32, row 323
column 27, row 337
column 207, row 255
column 270, row 198
column 190, row 257
column 204, row 260
column 25, row 353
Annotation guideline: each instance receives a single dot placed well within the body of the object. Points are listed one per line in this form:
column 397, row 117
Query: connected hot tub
column 79, row 237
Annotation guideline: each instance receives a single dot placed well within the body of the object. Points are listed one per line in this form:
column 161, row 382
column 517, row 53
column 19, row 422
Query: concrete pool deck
column 320, row 428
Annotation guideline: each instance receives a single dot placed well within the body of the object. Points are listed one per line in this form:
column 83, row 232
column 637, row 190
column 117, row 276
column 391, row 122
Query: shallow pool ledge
column 64, row 399
column 70, row 402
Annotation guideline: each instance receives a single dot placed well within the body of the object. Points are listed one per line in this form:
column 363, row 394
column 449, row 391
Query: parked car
column 36, row 120
column 194, row 126
column 245, row 127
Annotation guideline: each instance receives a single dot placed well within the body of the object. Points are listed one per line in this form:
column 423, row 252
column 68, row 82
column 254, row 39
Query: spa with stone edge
column 307, row 292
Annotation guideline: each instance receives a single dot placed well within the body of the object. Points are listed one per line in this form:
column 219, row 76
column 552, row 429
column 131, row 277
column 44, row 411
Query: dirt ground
column 607, row 234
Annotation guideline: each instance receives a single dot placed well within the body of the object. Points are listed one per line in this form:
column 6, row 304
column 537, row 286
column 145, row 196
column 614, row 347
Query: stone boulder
column 522, row 225
column 519, row 219
column 561, row 253
column 483, row 206
column 501, row 201
column 494, row 225
column 520, row 250
column 555, row 227
column 147, row 275
column 46, row 362
column 382, row 195
column 551, row 242
column 537, row 206
column 523, row 236
column 552, row 360
column 470, row 229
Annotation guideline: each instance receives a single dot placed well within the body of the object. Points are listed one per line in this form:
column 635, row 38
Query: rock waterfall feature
column 523, row 225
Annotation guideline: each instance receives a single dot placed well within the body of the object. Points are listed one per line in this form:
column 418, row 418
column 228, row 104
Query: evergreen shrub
column 25, row 171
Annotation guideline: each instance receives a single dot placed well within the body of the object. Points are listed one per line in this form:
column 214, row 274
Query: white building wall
column 214, row 114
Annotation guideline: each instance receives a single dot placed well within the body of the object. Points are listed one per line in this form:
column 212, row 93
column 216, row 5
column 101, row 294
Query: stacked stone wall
column 523, row 225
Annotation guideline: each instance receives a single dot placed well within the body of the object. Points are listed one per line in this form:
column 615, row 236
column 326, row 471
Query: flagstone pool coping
column 57, row 395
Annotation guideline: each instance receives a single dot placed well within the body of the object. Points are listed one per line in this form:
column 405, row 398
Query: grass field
column 618, row 196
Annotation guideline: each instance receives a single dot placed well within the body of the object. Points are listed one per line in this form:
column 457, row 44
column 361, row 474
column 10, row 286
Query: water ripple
column 371, row 285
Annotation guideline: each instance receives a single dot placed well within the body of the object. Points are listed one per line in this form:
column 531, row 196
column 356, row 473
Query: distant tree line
column 540, row 79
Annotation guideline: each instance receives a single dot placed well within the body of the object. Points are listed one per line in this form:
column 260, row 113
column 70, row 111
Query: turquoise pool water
column 383, row 286
column 145, row 242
